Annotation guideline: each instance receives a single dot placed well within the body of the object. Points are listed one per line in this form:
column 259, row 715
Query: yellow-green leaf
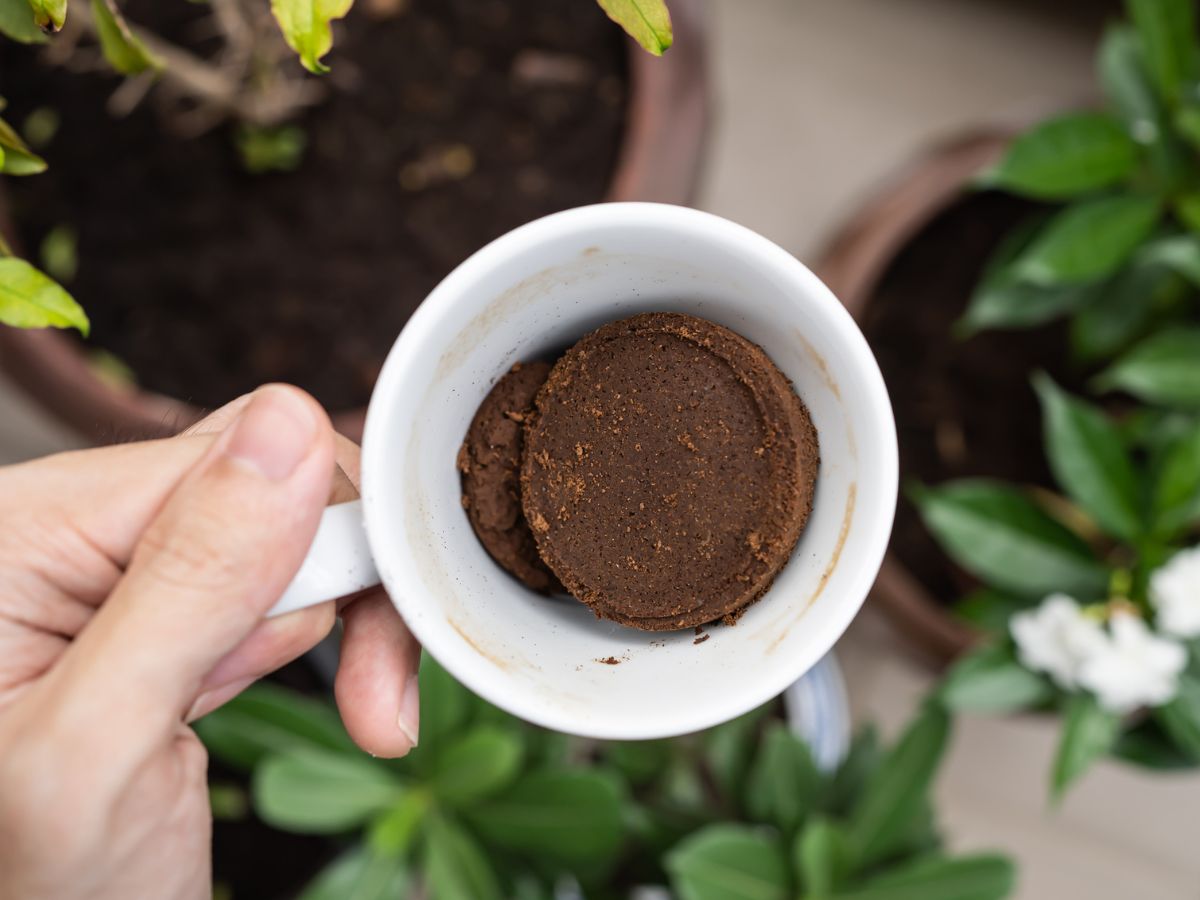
column 49, row 14
column 123, row 49
column 16, row 22
column 29, row 299
column 647, row 21
column 306, row 28
column 15, row 157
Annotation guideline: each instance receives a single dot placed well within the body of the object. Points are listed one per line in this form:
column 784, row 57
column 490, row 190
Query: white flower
column 1175, row 593
column 1057, row 638
column 1134, row 666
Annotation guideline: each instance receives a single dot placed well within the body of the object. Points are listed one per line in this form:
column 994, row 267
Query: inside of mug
column 551, row 660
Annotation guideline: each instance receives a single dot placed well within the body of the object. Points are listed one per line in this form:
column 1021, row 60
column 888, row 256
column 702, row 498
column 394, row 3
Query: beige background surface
column 818, row 102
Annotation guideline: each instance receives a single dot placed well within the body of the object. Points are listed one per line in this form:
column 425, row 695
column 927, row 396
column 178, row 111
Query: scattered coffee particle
column 490, row 463
column 702, row 639
column 609, row 661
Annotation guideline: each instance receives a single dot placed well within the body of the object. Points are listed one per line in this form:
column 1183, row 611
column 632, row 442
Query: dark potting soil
column 446, row 126
column 964, row 408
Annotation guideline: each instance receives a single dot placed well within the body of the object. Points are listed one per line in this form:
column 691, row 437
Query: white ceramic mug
column 534, row 292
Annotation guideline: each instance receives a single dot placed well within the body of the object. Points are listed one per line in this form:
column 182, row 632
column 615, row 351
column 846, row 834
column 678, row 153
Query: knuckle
column 200, row 557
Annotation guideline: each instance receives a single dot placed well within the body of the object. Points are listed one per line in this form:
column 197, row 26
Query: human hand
column 133, row 581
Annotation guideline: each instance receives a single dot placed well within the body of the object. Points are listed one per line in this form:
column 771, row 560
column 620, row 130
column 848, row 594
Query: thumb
column 219, row 553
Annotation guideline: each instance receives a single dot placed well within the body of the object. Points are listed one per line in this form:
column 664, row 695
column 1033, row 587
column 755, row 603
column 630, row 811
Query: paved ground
column 818, row 102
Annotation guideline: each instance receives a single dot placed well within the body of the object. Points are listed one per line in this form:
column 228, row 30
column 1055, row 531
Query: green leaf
column 896, row 792
column 266, row 720
column 16, row 22
column 321, row 792
column 455, row 865
column 729, row 748
column 1089, row 460
column 1088, row 240
column 1180, row 718
column 1065, row 157
column 49, row 14
column 123, row 49
column 445, row 710
column 1120, row 309
column 822, row 858
column 639, row 762
column 15, row 157
column 29, row 299
column 306, row 27
column 1176, row 495
column 1089, row 732
column 997, row 534
column 59, row 253
column 646, row 21
column 1162, row 368
column 728, row 862
column 990, row 680
column 570, row 817
column 477, row 765
column 359, row 874
column 988, row 610
column 845, row 789
column 228, row 802
column 1147, row 747
column 1179, row 252
column 392, row 833
column 1166, row 30
column 982, row 877
column 1187, row 206
column 784, row 780
column 1123, row 74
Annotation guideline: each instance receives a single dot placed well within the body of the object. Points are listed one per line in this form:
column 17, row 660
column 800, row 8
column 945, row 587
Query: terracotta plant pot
column 659, row 160
column 853, row 265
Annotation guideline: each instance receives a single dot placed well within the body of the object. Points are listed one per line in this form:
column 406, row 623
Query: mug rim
column 871, row 393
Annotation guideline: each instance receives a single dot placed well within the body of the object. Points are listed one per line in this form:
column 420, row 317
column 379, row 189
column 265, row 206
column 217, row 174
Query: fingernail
column 274, row 433
column 410, row 711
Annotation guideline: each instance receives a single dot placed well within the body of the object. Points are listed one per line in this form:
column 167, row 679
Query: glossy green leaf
column 568, row 817
column 822, row 858
column 322, row 792
column 359, row 874
column 49, row 14
column 990, row 680
column 29, row 299
column 15, row 157
column 1089, row 460
column 646, row 21
column 1122, row 72
column 989, row 611
column 1089, row 732
column 1065, row 157
column 306, row 27
column 267, row 720
column 729, row 862
column 16, row 22
column 639, row 761
column 1176, row 494
column 784, row 781
column 1163, row 368
column 456, row 867
column 124, row 50
column 1120, row 309
column 1088, row 240
column 1187, row 206
column 982, row 877
column 1179, row 253
column 477, row 765
column 1166, row 30
column 1180, row 718
column 897, row 791
column 392, row 833
column 995, row 532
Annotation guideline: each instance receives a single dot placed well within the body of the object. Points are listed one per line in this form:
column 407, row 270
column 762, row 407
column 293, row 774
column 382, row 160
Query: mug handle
column 338, row 563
